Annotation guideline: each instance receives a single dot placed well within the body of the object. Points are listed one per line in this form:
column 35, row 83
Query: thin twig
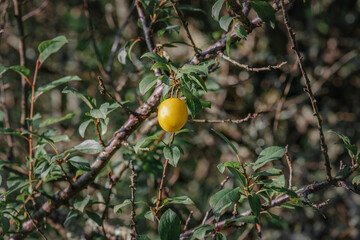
column 96, row 122
column 33, row 222
column 22, row 50
column 161, row 187
column 103, row 90
column 290, row 167
column 63, row 170
column 252, row 69
column 36, row 11
column 133, row 189
column 236, row 121
column 185, row 24
column 188, row 220
column 308, row 90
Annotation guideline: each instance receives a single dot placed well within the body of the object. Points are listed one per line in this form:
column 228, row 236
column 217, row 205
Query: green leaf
column 200, row 69
column 192, row 102
column 144, row 142
column 150, row 216
column 49, row 47
column 101, row 112
column 199, row 81
column 147, row 83
column 356, row 180
column 227, row 141
column 216, row 9
column 352, row 149
column 18, row 68
column 265, row 11
column 178, row 200
column 201, row 231
column 155, row 57
column 5, row 224
column 255, row 203
column 80, row 163
column 54, row 84
column 52, row 120
column 96, row 218
column 220, row 236
column 223, row 199
column 9, row 131
column 225, row 22
column 80, row 205
column 240, row 32
column 91, row 102
column 72, row 214
column 245, row 219
column 89, row 146
column 267, row 155
column 118, row 207
column 191, row 8
column 122, row 55
column 83, row 126
column 169, row 226
column 172, row 153
column 283, row 190
column 144, row 237
column 268, row 173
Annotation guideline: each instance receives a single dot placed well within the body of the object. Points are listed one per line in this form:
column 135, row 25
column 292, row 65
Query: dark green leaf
column 199, row 81
column 255, row 203
column 80, row 205
column 96, row 218
column 9, row 131
column 245, row 219
column 80, row 163
column 52, row 120
column 223, row 199
column 201, row 231
column 268, row 173
column 91, row 102
column 178, row 200
column 19, row 69
column 239, row 175
column 265, row 11
column 225, row 22
column 169, row 226
column 267, row 155
column 220, row 236
column 5, row 224
column 352, row 149
column 216, row 9
column 192, row 102
column 240, row 32
column 147, row 83
column 89, row 146
column 55, row 83
column 49, row 47
column 155, row 57
column 191, row 8
column 283, row 190
column 172, row 153
column 72, row 214
column 227, row 141
column 150, row 216
column 200, row 69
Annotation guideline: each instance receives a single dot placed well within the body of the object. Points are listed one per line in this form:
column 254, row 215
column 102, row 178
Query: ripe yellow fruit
column 172, row 114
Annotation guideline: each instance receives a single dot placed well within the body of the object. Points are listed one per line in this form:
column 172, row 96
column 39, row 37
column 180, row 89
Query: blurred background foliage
column 327, row 33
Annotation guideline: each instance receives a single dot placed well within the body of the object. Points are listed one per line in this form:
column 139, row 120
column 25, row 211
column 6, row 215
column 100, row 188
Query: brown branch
column 185, row 24
column 238, row 10
column 36, row 11
column 161, row 187
column 133, row 189
column 188, row 220
column 22, row 49
column 305, row 191
column 236, row 121
column 96, row 122
column 308, row 90
column 290, row 167
column 252, row 69
column 34, row 223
